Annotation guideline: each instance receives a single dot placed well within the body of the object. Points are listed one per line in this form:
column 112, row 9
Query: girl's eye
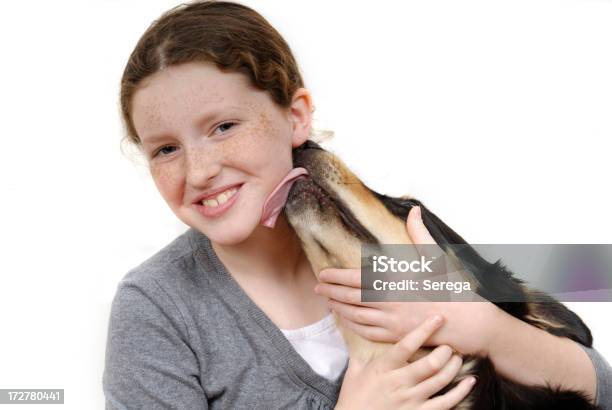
column 167, row 150
column 226, row 125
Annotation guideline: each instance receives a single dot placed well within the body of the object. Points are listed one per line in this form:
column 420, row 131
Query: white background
column 496, row 114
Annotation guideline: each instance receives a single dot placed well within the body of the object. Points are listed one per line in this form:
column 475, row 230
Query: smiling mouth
column 218, row 205
column 221, row 198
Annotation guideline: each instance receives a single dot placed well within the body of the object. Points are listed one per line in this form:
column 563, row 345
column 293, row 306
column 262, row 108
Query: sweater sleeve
column 603, row 371
column 149, row 363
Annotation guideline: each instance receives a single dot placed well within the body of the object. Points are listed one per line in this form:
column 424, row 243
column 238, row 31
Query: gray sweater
column 184, row 335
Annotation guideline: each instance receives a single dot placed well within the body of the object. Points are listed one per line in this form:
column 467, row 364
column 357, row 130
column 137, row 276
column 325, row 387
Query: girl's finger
column 340, row 293
column 416, row 229
column 427, row 366
column 359, row 314
column 440, row 380
column 420, row 236
column 400, row 352
column 453, row 397
column 347, row 277
column 373, row 333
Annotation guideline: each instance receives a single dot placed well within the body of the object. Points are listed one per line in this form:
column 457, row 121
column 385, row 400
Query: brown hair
column 228, row 34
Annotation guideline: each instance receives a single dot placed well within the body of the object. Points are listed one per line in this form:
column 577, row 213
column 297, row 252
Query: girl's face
column 202, row 130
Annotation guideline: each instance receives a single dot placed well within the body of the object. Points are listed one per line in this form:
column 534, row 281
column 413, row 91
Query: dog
column 334, row 213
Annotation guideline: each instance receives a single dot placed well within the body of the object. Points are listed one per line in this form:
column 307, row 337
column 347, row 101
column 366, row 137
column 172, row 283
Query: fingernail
column 436, row 320
column 473, row 380
column 316, row 289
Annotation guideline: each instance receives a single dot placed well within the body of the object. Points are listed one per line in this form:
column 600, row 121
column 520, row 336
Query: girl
column 225, row 316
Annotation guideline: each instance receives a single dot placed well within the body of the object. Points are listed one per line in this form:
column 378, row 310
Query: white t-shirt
column 321, row 345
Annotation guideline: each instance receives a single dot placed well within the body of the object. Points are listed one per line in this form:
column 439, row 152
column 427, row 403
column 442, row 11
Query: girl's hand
column 468, row 329
column 390, row 382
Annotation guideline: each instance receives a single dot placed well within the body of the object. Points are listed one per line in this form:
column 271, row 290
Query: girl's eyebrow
column 210, row 115
column 152, row 139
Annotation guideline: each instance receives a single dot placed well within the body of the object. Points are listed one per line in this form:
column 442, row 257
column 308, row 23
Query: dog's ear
column 440, row 231
column 401, row 206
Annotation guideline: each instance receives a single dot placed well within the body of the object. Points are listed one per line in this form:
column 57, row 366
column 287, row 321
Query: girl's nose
column 201, row 167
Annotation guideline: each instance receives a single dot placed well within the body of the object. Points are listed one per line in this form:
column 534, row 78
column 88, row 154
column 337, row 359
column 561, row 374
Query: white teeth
column 221, row 198
column 210, row 202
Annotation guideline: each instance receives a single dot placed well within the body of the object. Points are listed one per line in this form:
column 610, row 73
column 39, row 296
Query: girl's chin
column 227, row 240
column 230, row 233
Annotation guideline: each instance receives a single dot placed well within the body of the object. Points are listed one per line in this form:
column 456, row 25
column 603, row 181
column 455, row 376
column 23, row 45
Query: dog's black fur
column 492, row 391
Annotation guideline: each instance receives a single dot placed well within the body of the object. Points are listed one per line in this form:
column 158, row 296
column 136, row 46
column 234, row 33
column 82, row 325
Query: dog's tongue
column 276, row 200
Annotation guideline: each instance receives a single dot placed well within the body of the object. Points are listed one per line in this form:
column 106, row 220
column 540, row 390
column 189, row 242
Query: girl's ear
column 301, row 116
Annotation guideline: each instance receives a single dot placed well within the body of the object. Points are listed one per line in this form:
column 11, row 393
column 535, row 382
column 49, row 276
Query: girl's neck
column 271, row 253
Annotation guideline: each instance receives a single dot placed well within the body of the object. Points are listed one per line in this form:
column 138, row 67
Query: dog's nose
column 305, row 155
column 309, row 144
